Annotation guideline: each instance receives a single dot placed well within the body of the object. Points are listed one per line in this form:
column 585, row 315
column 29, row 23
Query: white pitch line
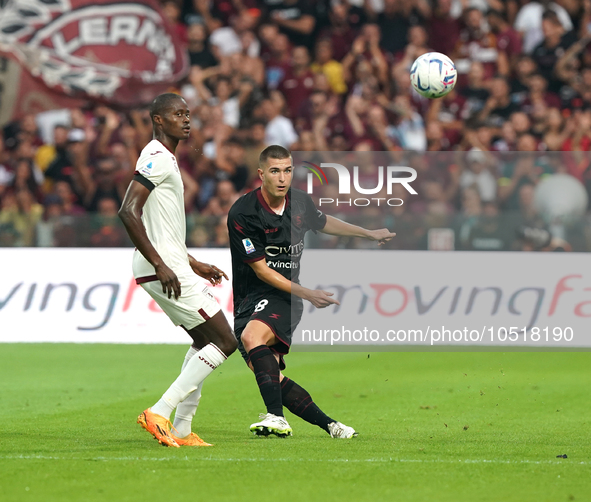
column 344, row 460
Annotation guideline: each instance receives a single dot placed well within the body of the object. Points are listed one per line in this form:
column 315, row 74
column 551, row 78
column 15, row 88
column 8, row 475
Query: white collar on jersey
column 280, row 211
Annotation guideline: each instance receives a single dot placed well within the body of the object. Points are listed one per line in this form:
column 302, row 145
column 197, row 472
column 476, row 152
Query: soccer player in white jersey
column 153, row 213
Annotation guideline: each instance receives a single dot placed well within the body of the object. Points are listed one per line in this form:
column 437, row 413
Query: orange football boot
column 190, row 440
column 158, row 426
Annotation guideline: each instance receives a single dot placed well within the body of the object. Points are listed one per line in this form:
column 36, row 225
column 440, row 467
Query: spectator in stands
column 557, row 130
column 199, row 52
column 539, row 95
column 396, row 19
column 366, row 52
column 230, row 163
column 221, row 236
column 475, row 92
column 295, row 18
column 490, row 233
column 278, row 61
column 298, row 82
column 172, row 12
column 106, row 226
column 526, row 169
column 437, row 141
column 476, row 44
column 524, row 69
column 498, row 107
column 521, row 123
column 508, row 41
column 106, row 182
column 255, row 144
column 410, row 128
column 220, row 204
column 417, row 46
column 222, row 96
column 325, row 63
column 20, row 214
column 449, row 112
column 443, row 28
column 60, row 167
column 477, row 174
column 529, row 22
column 548, row 51
column 279, row 129
column 340, row 32
column 28, row 177
column 470, row 213
column 580, row 140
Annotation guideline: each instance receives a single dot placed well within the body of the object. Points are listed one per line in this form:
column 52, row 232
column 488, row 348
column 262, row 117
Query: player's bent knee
column 250, row 340
column 255, row 334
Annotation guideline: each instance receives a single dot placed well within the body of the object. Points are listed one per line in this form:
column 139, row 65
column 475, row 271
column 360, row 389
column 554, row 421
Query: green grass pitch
column 455, row 426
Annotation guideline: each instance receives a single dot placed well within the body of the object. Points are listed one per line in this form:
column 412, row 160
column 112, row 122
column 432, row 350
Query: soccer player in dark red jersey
column 267, row 228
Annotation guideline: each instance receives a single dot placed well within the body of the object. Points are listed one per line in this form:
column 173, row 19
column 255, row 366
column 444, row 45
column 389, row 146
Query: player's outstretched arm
column 207, row 271
column 130, row 214
column 320, row 299
column 341, row 228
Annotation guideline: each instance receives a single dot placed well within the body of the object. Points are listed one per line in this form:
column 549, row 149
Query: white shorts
column 195, row 305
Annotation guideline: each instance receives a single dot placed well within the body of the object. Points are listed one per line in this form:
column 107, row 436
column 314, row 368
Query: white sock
column 197, row 369
column 185, row 411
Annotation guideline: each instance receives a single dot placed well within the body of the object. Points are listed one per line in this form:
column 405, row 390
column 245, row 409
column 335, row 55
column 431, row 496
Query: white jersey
column 163, row 213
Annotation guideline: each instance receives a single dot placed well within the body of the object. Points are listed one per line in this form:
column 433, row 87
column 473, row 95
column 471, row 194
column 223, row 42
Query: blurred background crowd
column 333, row 76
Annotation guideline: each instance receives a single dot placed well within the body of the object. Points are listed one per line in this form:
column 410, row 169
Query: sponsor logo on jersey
column 248, row 246
column 282, row 264
column 271, row 230
column 293, row 250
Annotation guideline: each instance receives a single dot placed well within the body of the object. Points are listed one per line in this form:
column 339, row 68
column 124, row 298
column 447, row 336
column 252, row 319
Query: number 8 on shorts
column 261, row 305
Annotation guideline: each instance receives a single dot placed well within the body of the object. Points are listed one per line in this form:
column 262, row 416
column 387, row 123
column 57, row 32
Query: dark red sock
column 297, row 400
column 266, row 371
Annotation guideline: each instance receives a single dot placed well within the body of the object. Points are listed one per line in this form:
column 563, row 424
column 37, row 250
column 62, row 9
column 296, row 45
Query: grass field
column 433, row 427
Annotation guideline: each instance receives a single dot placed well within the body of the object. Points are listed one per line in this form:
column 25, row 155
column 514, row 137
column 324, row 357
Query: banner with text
column 430, row 298
column 387, row 298
column 121, row 53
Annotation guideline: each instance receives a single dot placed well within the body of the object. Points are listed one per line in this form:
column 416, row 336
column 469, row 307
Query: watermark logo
column 387, row 176
column 317, row 170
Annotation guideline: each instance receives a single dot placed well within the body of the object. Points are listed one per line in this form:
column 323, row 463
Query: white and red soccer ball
column 433, row 75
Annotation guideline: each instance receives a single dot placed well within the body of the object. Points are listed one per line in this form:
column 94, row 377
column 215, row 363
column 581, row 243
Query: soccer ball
column 433, row 75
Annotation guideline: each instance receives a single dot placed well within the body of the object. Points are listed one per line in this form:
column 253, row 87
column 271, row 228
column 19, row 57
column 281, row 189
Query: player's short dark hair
column 162, row 102
column 273, row 152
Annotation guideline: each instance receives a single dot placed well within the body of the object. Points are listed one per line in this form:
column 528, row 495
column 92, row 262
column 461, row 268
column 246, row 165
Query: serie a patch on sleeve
column 146, row 169
column 248, row 246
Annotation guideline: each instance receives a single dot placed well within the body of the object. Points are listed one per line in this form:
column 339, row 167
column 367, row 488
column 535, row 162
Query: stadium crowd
column 332, row 76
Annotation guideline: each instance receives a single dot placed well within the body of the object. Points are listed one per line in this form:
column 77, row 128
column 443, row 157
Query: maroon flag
column 120, row 53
